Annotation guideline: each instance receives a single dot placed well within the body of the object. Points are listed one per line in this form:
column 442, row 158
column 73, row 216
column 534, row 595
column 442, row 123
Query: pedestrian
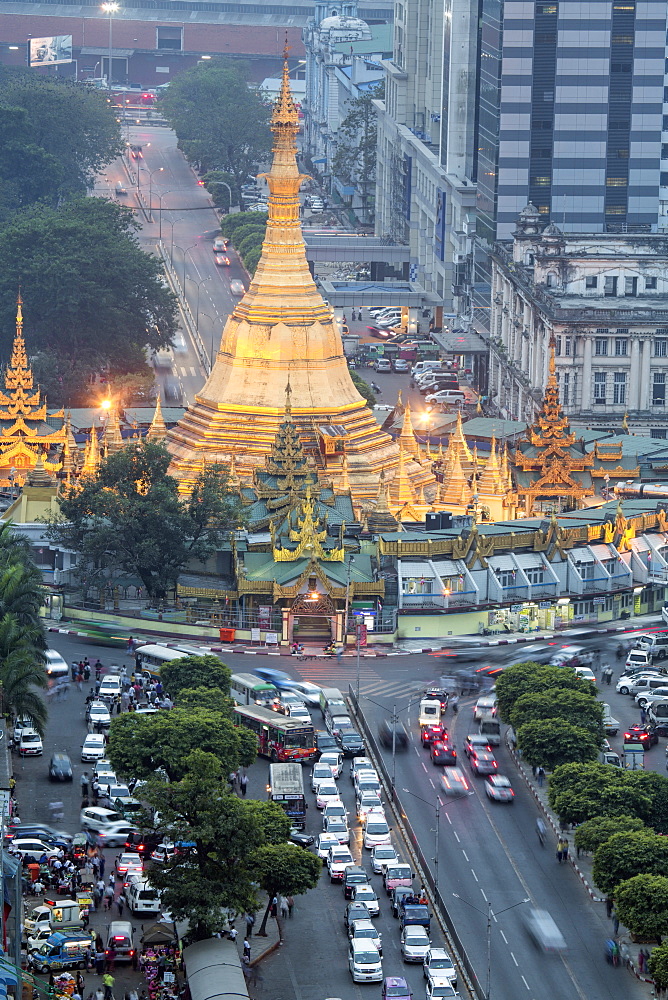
column 641, row 961
column 119, row 906
column 339, row 653
column 108, row 897
column 247, row 950
column 643, row 716
column 233, row 781
column 564, row 849
column 232, row 933
column 540, row 776
column 273, row 909
column 454, row 701
column 83, row 780
column 645, row 953
column 608, row 676
column 112, row 879
column 250, row 921
column 615, row 923
column 291, row 905
column 243, row 784
column 284, row 907
column 81, row 984
column 95, row 790
column 108, row 983
column 162, row 964
column 103, row 862
column 110, row 955
column 608, row 907
column 99, row 994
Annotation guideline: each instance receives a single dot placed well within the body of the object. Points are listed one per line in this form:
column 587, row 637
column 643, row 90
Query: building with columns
column 603, row 299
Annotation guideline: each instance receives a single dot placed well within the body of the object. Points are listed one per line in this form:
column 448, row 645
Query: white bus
column 249, row 689
column 151, row 657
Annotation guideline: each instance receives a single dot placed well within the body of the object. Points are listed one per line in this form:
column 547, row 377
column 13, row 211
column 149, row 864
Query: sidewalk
column 582, row 866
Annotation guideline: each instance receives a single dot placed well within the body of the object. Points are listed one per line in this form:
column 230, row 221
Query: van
column 143, row 898
column 609, row 757
column 544, row 932
column 485, row 705
column 119, row 939
column 610, row 724
column 430, row 712
column 490, row 728
column 638, row 658
column 424, row 366
column 110, row 686
column 448, row 396
column 658, row 716
column 364, row 961
column 656, row 645
column 327, row 695
column 61, row 951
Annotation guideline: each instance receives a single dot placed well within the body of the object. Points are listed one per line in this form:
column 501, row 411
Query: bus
column 150, row 658
column 286, row 787
column 249, row 689
column 278, row 737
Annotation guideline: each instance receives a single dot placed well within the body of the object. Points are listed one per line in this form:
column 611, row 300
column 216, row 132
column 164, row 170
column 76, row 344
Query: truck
column 490, row 728
column 59, row 914
column 429, row 712
column 411, row 914
column 61, row 951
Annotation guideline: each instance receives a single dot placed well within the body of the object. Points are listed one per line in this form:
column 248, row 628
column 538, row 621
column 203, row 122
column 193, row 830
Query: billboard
column 51, row 51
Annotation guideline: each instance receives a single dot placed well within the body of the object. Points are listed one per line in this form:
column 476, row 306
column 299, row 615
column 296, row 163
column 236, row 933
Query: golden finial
column 625, row 422
column 288, row 399
column 285, row 113
column 158, row 429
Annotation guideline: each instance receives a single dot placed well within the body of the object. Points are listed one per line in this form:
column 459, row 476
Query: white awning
column 530, row 560
column 415, row 569
column 582, row 555
column 213, row 969
column 604, row 552
column 448, row 567
column 501, row 563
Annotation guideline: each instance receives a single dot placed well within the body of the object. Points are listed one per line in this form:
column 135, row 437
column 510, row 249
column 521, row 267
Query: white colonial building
column 604, row 300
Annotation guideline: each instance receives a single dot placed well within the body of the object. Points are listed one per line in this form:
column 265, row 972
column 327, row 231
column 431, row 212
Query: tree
column 210, row 699
column 357, row 141
column 625, row 855
column 579, row 792
column 533, row 678
column 656, row 786
column 551, row 742
column 218, row 873
column 232, row 224
column 56, row 136
column 576, row 707
column 287, row 870
column 594, row 832
column 221, row 121
column 140, row 745
column 131, row 518
column 363, row 388
column 642, row 906
column 658, row 966
column 195, row 672
column 92, row 297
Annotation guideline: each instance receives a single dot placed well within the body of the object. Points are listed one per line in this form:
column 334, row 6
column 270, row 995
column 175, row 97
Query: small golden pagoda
column 283, row 330
column 25, row 435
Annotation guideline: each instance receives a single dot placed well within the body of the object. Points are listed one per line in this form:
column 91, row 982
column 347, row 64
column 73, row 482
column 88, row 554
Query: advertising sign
column 51, row 51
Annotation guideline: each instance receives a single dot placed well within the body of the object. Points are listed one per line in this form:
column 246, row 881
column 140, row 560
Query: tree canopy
column 357, row 140
column 287, row 870
column 195, row 672
column 130, row 517
column 522, row 679
column 658, row 966
column 579, row 792
column 222, row 122
column 625, row 855
column 641, row 903
column 550, row 742
column 576, row 707
column 139, row 745
column 594, row 832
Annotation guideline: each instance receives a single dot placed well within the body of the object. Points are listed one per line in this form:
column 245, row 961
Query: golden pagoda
column 282, row 331
column 24, row 431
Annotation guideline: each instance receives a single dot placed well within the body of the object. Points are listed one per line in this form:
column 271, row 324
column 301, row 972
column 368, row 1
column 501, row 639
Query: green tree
column 656, row 786
column 594, row 832
column 363, row 388
column 56, row 136
column 357, row 142
column 211, row 699
column 658, row 966
column 625, row 855
column 533, row 678
column 131, row 518
column 576, row 707
column 642, row 906
column 551, row 742
column 140, row 745
column 221, row 121
column 218, row 874
column 287, row 870
column 231, row 224
column 92, row 297
column 195, row 672
column 579, row 792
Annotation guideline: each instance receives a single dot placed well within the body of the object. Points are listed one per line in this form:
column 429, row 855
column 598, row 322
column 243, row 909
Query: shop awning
column 583, row 555
column 448, row 567
column 213, row 968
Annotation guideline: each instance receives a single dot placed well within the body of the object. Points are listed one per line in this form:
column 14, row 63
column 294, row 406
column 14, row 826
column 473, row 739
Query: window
column 599, row 388
column 650, row 284
column 621, row 347
column 591, row 282
column 170, row 38
column 658, row 432
column 659, row 389
column 565, row 389
column 616, row 182
column 542, row 181
column 619, row 388
column 557, row 346
column 630, row 286
column 601, row 347
column 615, row 210
column 551, row 280
column 610, row 286
column 602, row 329
column 568, row 344
column 506, row 577
column 535, row 574
column 660, row 348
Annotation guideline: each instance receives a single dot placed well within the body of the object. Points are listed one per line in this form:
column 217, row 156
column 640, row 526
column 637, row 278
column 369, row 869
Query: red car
column 442, row 753
column 433, row 732
column 644, row 735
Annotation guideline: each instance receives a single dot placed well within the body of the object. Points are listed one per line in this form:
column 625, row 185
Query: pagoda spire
column 401, row 488
column 407, row 439
column 92, row 455
column 551, row 430
column 157, row 430
column 456, row 491
column 113, row 439
column 491, row 482
column 380, row 517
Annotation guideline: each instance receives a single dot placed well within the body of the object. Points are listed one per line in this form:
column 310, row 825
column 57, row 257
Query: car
column 358, row 764
column 30, row 743
column 364, row 962
column 98, row 818
column 134, row 873
column 136, row 152
column 54, row 664
column 335, row 761
column 628, row 678
column 335, row 810
column 128, row 859
column 366, row 894
column 437, row 694
column 498, row 788
column 338, row 860
column 439, row 989
column 442, row 753
column 337, row 723
column 395, row 988
column 369, row 784
column 34, row 846
column 376, row 831
column 401, row 365
column 97, row 716
column 110, row 686
column 381, row 856
column 237, row 287
column 543, row 930
column 325, row 742
column 474, row 742
column 392, row 735
column 278, row 678
column 60, row 767
column 438, row 965
column 301, row 838
column 586, row 673
column 415, row 944
column 220, row 244
column 221, row 260
column 397, row 895
column 358, row 930
column 368, row 802
column 645, row 735
column 327, row 792
column 454, row 783
column 321, row 772
column 483, row 762
column 93, row 747
column 365, row 775
column 644, row 701
column 382, row 365
column 353, row 877
column 114, row 835
column 163, row 853
column 339, row 828
column 350, row 742
column 308, row 691
column 299, row 712
column 375, row 331
column 431, row 733
column 50, row 836
column 355, row 911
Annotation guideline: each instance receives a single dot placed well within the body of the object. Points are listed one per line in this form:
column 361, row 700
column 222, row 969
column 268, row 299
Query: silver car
column 415, row 943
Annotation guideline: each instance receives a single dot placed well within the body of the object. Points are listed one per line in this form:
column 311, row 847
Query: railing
column 186, row 311
column 439, row 600
column 595, row 585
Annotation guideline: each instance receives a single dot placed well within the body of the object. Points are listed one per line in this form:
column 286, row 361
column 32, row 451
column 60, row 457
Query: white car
column 381, row 856
column 34, row 846
column 308, row 691
column 321, row 772
column 299, row 712
column 376, row 831
column 30, row 743
column 366, row 894
column 438, row 966
column 367, row 785
column 327, row 792
column 324, row 842
column 110, row 686
column 335, row 761
column 93, row 747
column 337, row 723
column 439, row 989
column 360, row 764
column 359, row 930
column 498, row 788
column 415, row 943
column 98, row 715
column 115, row 835
column 333, row 809
column 338, row 860
column 366, row 803
column 98, row 818
column 586, row 673
column 339, row 828
column 364, row 774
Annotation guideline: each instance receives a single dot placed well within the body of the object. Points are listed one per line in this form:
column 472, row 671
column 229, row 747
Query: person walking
column 99, row 960
column 615, row 923
column 83, row 780
column 247, row 950
column 250, row 922
column 540, row 776
column 454, row 702
column 119, row 906
column 283, row 907
column 243, row 784
column 108, row 983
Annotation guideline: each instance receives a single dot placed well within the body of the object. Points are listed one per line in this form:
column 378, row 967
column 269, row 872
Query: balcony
column 439, row 601
column 597, row 585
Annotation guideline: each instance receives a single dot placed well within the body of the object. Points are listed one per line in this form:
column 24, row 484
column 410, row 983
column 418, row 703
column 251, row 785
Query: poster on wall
column 54, row 50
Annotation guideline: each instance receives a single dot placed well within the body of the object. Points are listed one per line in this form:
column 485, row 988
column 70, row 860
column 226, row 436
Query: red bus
column 279, row 738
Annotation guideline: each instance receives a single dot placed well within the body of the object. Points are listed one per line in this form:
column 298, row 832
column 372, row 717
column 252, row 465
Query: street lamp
column 158, row 170
column 489, row 916
column 437, row 831
column 160, row 197
column 198, row 283
column 175, row 246
column 395, row 720
column 351, row 560
column 110, row 8
column 171, row 244
column 213, row 330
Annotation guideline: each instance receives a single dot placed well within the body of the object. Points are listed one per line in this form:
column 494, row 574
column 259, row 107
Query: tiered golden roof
column 282, row 330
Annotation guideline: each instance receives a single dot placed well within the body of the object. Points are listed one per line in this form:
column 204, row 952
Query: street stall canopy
column 158, row 934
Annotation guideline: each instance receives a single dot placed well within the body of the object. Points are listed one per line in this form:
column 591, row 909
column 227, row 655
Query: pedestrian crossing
column 184, row 370
column 328, row 673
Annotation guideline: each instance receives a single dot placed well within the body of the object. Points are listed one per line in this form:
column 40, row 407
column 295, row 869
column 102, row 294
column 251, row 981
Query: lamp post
column 175, row 246
column 157, row 170
column 198, row 283
column 351, row 560
column 160, row 197
column 437, row 830
column 110, row 8
column 395, row 720
column 489, row 915
column 213, row 328
column 171, row 242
